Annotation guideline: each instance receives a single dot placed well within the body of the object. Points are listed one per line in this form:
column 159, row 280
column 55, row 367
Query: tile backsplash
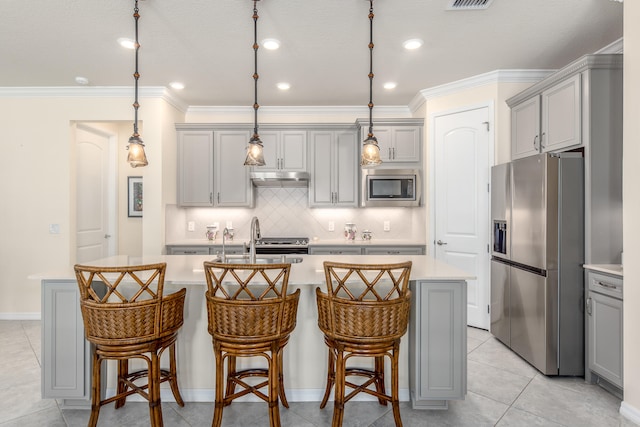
column 286, row 212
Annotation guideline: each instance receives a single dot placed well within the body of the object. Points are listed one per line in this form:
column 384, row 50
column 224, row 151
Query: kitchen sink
column 260, row 259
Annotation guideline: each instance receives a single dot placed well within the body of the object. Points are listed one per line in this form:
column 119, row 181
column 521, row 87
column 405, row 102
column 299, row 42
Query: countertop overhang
column 188, row 269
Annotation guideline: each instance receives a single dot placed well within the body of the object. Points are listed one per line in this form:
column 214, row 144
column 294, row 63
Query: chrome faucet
column 255, row 235
column 225, row 232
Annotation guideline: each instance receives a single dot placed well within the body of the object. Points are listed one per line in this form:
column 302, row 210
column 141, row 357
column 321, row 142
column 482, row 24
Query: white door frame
column 112, row 174
column 431, row 244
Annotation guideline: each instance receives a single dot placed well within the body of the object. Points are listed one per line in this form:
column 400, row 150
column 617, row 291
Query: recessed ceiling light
column 283, row 86
column 177, row 85
column 390, row 85
column 412, row 44
column 127, row 43
column 271, row 44
column 82, row 80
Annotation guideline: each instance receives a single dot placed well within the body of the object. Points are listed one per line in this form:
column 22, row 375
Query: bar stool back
column 364, row 313
column 126, row 316
column 250, row 314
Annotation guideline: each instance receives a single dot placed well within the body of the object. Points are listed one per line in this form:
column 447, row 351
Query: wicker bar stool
column 250, row 314
column 126, row 316
column 364, row 313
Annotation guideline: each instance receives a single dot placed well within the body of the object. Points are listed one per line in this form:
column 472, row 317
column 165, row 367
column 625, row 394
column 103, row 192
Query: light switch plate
column 386, row 225
column 191, row 226
column 332, row 226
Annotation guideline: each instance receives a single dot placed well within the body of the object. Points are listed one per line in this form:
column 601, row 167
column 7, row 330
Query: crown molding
column 615, row 47
column 316, row 113
column 92, row 92
column 492, row 77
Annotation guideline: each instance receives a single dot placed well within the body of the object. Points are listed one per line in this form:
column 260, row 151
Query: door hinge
column 488, row 248
column 488, row 309
column 488, row 187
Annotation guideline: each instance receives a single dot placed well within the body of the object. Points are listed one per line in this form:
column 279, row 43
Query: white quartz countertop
column 614, row 269
column 319, row 242
column 188, row 269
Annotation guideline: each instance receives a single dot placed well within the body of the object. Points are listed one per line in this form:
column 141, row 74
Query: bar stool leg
column 155, row 406
column 331, row 376
column 274, row 407
column 95, row 391
column 338, row 404
column 281, row 393
column 123, row 372
column 219, row 404
column 173, row 375
column 379, row 378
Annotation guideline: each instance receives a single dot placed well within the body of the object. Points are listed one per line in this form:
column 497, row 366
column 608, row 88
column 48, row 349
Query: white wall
column 631, row 212
column 36, row 158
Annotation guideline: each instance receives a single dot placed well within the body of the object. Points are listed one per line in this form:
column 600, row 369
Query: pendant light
column 370, row 149
column 136, row 156
column 255, row 155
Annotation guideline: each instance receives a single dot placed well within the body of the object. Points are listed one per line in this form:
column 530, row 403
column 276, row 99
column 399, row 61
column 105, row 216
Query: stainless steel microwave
column 391, row 187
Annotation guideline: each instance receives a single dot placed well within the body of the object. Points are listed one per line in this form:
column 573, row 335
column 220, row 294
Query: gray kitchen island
column 433, row 355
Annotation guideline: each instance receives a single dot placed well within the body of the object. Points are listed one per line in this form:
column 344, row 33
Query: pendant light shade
column 136, row 156
column 370, row 148
column 255, row 156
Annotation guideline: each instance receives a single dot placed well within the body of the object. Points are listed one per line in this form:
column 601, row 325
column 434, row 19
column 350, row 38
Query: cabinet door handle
column 393, row 150
column 218, row 197
column 589, row 306
column 390, row 153
column 535, row 143
column 211, row 198
column 542, row 140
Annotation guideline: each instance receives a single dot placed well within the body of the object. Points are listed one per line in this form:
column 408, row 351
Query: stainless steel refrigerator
column 537, row 281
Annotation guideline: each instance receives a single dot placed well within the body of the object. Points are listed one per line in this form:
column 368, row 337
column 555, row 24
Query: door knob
column 106, row 236
column 440, row 242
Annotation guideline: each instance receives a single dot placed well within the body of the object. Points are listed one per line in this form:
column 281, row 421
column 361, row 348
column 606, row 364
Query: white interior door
column 461, row 172
column 93, row 195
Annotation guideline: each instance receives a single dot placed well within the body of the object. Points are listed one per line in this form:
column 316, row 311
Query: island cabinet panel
column 437, row 343
column 65, row 371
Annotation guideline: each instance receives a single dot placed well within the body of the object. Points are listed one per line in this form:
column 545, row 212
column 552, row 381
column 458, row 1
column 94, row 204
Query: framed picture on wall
column 135, row 196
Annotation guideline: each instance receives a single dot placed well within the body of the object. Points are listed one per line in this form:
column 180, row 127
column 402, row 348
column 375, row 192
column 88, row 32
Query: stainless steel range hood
column 280, row 179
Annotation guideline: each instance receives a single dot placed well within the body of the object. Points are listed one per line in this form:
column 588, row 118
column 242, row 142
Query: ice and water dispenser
column 500, row 237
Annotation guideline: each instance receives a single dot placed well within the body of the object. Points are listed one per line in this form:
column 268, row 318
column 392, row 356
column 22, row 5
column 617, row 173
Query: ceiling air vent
column 468, row 4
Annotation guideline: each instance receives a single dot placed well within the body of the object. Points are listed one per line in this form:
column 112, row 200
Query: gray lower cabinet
column 335, row 250
column 187, row 250
column 396, row 250
column 604, row 328
column 437, row 343
column 65, row 353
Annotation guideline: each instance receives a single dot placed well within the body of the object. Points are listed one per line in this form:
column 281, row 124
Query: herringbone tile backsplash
column 285, row 212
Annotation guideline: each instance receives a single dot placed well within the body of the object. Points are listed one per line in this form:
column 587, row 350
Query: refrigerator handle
column 589, row 306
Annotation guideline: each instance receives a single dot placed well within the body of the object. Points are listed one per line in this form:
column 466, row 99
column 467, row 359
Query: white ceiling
column 207, row 44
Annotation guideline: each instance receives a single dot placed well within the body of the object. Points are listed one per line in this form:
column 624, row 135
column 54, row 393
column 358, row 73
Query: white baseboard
column 20, row 316
column 629, row 412
column 208, row 395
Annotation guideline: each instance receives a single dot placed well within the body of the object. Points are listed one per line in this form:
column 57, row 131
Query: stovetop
column 271, row 241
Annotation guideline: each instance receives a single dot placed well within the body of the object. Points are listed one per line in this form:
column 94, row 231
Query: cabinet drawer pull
column 607, row 285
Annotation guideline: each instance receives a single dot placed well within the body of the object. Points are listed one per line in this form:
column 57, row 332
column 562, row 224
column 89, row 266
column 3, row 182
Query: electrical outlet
column 191, row 226
column 386, row 226
column 54, row 228
column 332, row 226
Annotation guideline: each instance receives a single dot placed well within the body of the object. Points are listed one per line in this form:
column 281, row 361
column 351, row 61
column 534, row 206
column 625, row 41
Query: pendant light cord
column 255, row 74
column 371, row 15
column 136, row 75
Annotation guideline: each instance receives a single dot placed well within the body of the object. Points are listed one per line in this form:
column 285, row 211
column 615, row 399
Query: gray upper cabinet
column 195, row 168
column 284, row 150
column 400, row 140
column 210, row 167
column 334, row 168
column 550, row 121
column 232, row 185
column 525, row 128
